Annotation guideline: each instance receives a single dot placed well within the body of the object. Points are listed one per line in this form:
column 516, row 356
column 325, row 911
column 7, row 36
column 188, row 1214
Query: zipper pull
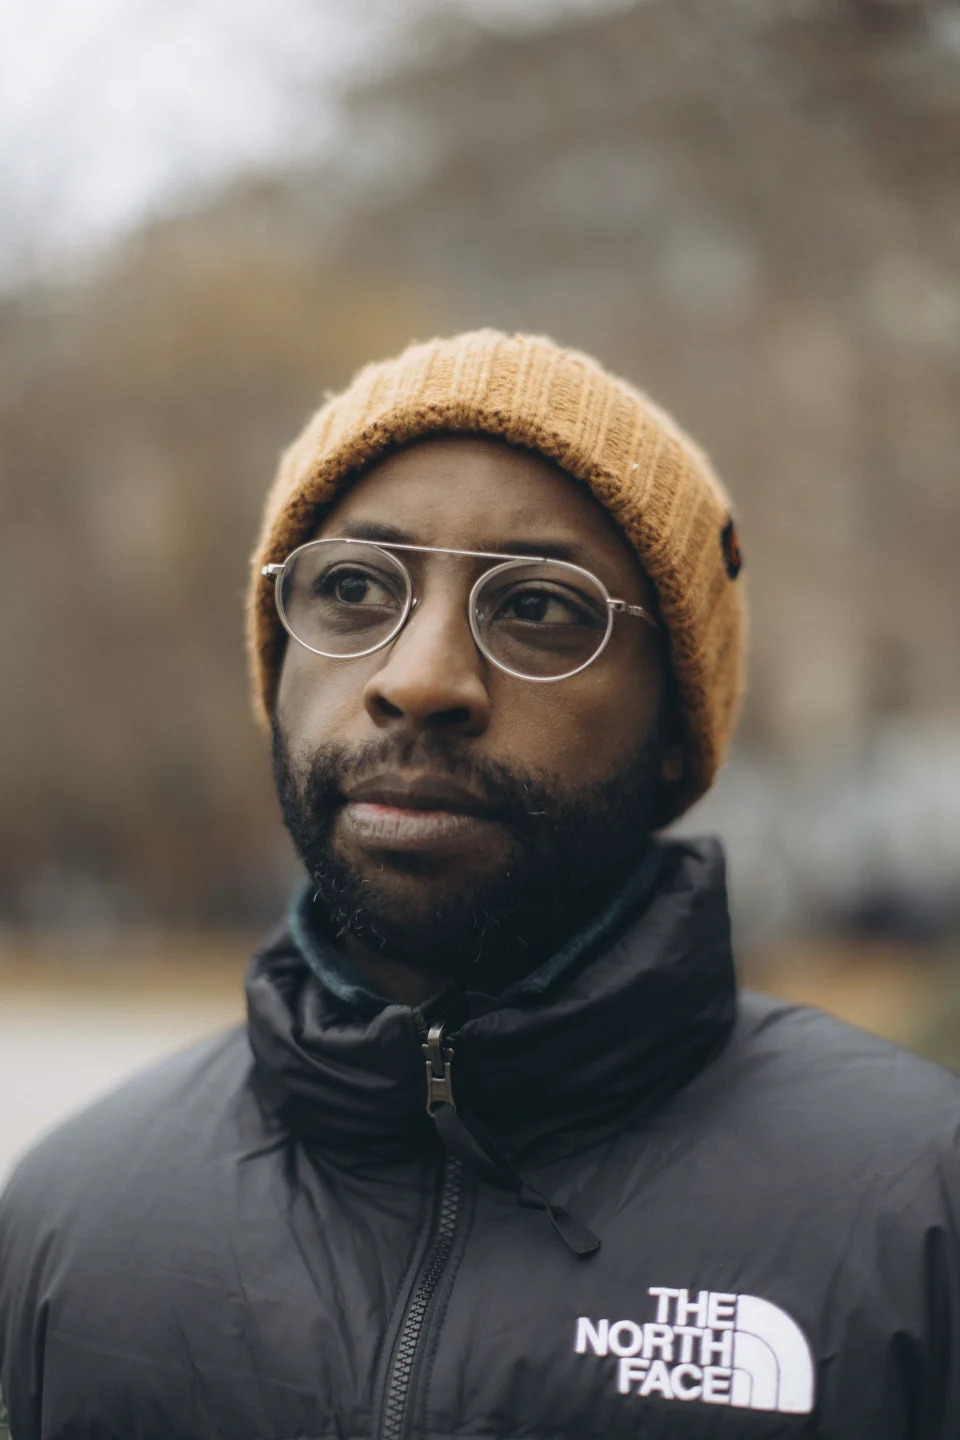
column 439, row 1065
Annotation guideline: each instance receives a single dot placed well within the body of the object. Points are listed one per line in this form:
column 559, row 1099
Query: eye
column 355, row 585
column 543, row 605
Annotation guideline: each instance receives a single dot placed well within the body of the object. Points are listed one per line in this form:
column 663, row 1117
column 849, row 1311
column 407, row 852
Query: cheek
column 318, row 699
column 585, row 727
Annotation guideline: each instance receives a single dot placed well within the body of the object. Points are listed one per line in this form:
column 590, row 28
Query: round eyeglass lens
column 342, row 599
column 540, row 619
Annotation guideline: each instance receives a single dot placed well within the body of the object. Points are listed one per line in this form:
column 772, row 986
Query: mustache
column 517, row 798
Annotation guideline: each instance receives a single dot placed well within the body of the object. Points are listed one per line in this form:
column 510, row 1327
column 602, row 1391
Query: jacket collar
column 337, row 973
column 617, row 1021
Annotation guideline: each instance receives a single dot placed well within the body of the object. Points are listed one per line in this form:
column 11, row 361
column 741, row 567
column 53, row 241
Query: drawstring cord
column 474, row 1145
column 482, row 1155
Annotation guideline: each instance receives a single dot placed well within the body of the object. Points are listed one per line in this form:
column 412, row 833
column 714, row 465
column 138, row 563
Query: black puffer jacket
column 265, row 1239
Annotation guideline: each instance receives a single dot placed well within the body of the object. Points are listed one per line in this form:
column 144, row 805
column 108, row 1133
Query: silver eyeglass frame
column 614, row 606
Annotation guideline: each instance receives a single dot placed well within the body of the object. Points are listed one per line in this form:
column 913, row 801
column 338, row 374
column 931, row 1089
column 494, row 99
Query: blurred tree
column 755, row 211
column 752, row 209
column 140, row 421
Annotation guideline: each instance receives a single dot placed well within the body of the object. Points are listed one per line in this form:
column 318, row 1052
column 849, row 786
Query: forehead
column 479, row 493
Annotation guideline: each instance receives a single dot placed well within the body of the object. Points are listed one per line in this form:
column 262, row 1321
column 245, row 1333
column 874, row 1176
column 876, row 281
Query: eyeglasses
column 534, row 617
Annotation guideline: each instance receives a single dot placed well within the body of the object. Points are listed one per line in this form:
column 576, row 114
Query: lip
column 415, row 814
column 420, row 792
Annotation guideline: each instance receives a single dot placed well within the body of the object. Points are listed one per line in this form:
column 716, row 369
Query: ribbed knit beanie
column 654, row 481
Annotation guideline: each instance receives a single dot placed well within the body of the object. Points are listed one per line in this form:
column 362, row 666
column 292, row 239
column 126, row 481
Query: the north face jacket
column 266, row 1238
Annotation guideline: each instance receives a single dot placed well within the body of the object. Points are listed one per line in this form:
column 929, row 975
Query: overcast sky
column 111, row 109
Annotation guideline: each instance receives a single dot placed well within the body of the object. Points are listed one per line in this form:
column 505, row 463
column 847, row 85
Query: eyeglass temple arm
column 271, row 570
column 620, row 607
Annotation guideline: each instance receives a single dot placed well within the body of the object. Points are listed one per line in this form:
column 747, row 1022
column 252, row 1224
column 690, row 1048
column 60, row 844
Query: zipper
column 398, row 1402
column 439, row 1069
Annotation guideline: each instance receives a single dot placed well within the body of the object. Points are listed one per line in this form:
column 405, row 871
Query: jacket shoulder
column 109, row 1197
column 156, row 1111
column 773, row 1027
column 812, row 1073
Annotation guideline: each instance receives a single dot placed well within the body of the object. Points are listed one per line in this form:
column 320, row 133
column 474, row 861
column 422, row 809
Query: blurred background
column 211, row 213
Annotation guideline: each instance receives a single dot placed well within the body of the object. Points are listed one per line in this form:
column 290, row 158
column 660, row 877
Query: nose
column 433, row 675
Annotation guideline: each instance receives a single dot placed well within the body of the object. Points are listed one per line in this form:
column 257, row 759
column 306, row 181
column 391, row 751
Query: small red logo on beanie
column 730, row 544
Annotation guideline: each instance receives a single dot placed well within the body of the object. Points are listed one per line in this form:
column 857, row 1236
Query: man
column 501, row 1152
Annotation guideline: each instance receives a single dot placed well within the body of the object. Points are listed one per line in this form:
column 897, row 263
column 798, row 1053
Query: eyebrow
column 386, row 534
column 374, row 530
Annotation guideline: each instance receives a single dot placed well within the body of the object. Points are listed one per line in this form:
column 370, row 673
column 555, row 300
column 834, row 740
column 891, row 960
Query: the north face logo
column 720, row 1349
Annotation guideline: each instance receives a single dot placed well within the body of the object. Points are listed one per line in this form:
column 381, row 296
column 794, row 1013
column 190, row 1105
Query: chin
column 418, row 883
column 413, row 903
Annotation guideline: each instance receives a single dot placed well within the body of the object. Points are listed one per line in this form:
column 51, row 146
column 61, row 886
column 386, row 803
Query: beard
column 569, row 852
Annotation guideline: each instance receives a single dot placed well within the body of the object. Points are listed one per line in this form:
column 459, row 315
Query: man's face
column 455, row 816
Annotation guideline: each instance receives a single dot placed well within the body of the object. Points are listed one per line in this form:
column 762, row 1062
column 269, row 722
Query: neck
column 399, row 983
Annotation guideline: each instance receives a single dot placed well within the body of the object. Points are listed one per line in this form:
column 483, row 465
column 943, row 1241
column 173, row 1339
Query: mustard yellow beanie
column 654, row 481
